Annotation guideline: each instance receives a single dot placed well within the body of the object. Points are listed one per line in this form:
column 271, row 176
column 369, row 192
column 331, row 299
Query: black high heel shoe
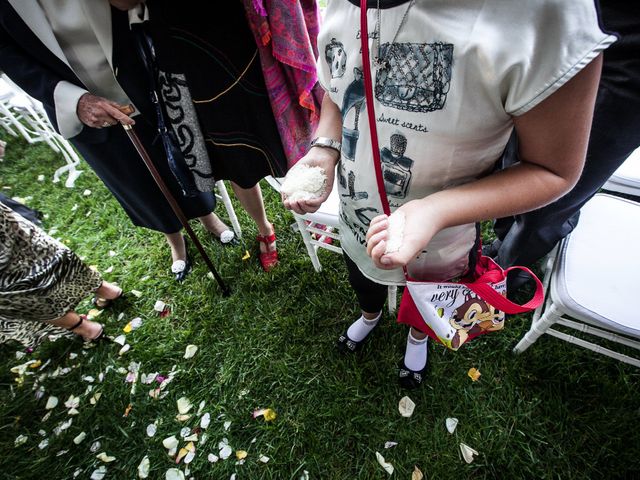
column 101, row 337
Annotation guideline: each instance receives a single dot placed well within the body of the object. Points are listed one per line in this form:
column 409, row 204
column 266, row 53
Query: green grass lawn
column 556, row 411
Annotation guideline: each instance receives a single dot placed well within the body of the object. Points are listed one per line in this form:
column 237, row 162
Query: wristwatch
column 326, row 142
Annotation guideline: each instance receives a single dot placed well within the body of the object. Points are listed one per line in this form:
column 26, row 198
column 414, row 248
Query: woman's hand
column 98, row 112
column 420, row 226
column 316, row 157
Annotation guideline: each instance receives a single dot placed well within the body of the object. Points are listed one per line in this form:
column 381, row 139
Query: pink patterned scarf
column 286, row 32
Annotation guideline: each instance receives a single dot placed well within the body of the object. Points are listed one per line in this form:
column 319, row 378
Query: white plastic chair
column 327, row 215
column 591, row 280
column 22, row 115
column 223, row 195
column 626, row 179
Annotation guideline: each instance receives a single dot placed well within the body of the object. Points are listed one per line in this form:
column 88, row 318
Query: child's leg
column 371, row 297
column 415, row 356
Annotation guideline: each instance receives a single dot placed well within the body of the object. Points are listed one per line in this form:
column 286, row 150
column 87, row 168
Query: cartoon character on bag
column 476, row 316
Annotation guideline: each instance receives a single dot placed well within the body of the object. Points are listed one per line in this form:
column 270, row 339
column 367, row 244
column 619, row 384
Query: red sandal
column 268, row 259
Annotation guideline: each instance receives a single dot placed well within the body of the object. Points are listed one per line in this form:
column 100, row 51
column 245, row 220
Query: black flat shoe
column 410, row 379
column 181, row 268
column 346, row 345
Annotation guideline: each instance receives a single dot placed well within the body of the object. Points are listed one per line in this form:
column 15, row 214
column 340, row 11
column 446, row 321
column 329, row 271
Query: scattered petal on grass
column 112, row 253
column 225, row 452
column 190, row 351
column 181, row 417
column 268, row 414
column 304, row 476
column 151, row 429
column 136, row 293
column 185, row 431
column 93, row 313
column 264, row 459
column 467, row 452
column 103, row 457
column 127, row 328
column 191, row 438
column 41, row 178
column 212, row 458
column 120, row 340
column 143, row 468
column 99, row 473
column 189, row 457
column 205, row 421
column 148, row 378
column 416, row 474
column 109, row 270
column 227, row 425
column 94, row 399
column 384, row 464
column 43, row 444
column 86, row 193
column 72, row 402
column 136, row 323
column 406, row 407
column 51, row 403
column 20, row 440
column 474, row 374
column 390, row 444
column 174, row 474
column 88, row 379
column 125, row 348
column 73, row 411
column 184, row 405
column 451, row 424
column 62, row 426
column 79, row 438
column 170, row 442
column 159, row 306
column 95, row 446
column 181, row 454
column 241, row 454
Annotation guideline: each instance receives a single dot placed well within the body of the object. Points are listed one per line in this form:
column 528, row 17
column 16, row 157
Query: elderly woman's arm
column 553, row 140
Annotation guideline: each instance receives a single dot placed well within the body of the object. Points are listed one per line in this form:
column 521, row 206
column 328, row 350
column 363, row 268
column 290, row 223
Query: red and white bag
column 450, row 312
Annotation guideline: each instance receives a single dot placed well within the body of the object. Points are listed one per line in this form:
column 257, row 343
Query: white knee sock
column 359, row 329
column 415, row 357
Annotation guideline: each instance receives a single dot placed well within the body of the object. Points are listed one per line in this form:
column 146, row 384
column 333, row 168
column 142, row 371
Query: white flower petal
column 151, row 429
column 205, row 421
column 451, row 424
column 406, row 407
column 263, row 459
column 467, row 452
column 384, row 464
column 227, row 424
column 79, row 438
column 184, row 405
column 95, row 446
column 102, row 456
column 174, row 474
column 390, row 444
column 99, row 473
column 190, row 351
column 20, row 440
column 143, row 468
column 170, row 442
column 225, row 452
column 51, row 403
column 212, row 458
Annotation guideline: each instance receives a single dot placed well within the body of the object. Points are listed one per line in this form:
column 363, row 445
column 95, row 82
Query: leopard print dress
column 40, row 280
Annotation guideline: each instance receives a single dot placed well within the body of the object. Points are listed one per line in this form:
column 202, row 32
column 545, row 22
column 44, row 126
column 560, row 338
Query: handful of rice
column 304, row 183
column 395, row 232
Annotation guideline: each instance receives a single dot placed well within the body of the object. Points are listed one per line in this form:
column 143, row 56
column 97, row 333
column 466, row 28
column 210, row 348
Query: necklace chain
column 381, row 62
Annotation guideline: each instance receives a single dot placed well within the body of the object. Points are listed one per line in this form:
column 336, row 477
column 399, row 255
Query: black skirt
column 213, row 47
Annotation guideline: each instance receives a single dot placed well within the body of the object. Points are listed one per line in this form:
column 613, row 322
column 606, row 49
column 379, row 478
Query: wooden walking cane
column 174, row 205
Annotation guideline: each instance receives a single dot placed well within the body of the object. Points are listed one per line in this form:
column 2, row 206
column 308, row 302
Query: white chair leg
column 551, row 316
column 306, row 238
column 392, row 298
column 224, row 195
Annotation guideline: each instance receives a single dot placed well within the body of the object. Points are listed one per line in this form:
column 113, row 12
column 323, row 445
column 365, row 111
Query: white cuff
column 65, row 97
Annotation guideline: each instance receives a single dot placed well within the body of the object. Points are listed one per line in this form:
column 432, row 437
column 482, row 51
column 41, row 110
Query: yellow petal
column 417, row 474
column 247, row 255
column 127, row 328
column 269, row 415
column 474, row 374
column 241, row 454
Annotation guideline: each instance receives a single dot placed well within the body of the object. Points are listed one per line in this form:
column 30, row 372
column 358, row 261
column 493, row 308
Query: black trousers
column 615, row 134
column 371, row 295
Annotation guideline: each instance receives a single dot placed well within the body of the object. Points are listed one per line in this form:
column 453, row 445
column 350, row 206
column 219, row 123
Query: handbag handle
column 484, row 290
column 368, row 90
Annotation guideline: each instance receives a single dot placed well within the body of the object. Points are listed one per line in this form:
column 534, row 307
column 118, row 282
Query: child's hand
column 418, row 231
column 317, row 157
